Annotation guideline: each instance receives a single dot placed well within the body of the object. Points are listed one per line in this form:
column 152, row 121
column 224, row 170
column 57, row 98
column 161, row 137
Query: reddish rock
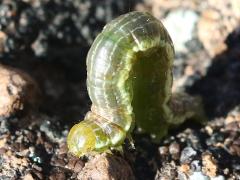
column 19, row 92
column 107, row 167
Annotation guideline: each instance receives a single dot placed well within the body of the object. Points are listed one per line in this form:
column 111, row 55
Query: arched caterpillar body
column 129, row 77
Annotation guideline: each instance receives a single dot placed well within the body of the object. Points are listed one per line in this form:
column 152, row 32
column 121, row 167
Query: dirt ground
column 43, row 48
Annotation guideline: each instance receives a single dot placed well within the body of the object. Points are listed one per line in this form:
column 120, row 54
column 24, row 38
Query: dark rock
column 187, row 155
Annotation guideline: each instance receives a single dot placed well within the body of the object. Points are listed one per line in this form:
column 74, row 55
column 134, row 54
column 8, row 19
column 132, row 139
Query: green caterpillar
column 129, row 77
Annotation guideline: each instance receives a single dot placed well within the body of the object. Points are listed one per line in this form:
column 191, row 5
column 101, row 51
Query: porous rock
column 107, row 167
column 18, row 91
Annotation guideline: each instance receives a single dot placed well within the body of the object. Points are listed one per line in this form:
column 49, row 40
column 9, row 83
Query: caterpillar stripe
column 129, row 77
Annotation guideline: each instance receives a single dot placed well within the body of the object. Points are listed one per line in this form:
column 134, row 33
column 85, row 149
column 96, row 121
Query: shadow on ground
column 220, row 87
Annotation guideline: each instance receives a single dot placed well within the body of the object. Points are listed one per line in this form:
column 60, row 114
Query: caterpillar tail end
column 185, row 106
column 81, row 139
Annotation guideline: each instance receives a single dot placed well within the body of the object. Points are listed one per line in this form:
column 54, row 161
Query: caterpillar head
column 81, row 139
column 87, row 137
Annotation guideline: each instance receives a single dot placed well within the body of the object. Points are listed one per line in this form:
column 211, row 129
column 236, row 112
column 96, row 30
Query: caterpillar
column 129, row 78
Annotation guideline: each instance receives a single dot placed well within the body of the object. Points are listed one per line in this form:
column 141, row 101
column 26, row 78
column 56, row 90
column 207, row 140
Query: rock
column 19, row 92
column 3, row 142
column 220, row 177
column 75, row 164
column 163, row 150
column 195, row 165
column 209, row 165
column 57, row 175
column 187, row 155
column 207, row 26
column 28, row 177
column 198, row 176
column 228, row 14
column 168, row 171
column 160, row 7
column 107, row 167
column 233, row 117
column 181, row 24
column 174, row 150
column 185, row 168
column 3, row 38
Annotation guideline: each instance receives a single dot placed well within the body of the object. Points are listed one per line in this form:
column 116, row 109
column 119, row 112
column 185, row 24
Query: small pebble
column 187, row 155
column 181, row 35
column 163, row 150
column 198, row 176
column 75, row 164
column 182, row 176
column 38, row 174
column 209, row 130
column 28, row 177
column 56, row 161
column 184, row 168
column 57, row 175
column 209, row 165
column 235, row 149
column 3, row 38
column 220, row 177
column 174, row 150
column 208, row 25
column 195, row 165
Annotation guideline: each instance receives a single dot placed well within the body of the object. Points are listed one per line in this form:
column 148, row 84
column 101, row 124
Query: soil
column 49, row 41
